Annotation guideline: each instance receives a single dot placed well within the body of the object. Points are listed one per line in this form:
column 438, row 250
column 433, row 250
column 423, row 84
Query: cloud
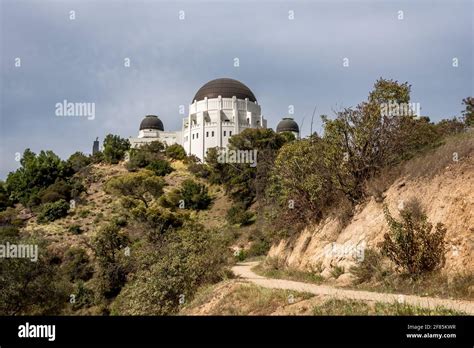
column 285, row 62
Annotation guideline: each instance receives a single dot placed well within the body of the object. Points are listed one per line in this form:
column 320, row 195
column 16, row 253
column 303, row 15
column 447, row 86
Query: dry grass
column 273, row 268
column 353, row 307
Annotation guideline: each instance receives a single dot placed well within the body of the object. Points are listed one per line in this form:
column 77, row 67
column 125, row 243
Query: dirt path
column 243, row 270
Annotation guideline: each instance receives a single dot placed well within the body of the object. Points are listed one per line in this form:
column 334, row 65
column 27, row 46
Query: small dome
column 287, row 124
column 226, row 88
column 152, row 122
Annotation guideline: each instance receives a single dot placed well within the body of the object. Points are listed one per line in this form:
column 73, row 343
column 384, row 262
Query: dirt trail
column 243, row 270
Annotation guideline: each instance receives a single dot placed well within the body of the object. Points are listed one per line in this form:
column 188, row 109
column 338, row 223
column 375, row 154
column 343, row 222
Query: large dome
column 151, row 122
column 226, row 88
column 287, row 124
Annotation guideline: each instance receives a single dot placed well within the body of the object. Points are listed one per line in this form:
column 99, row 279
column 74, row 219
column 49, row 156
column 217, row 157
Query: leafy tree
column 5, row 201
column 242, row 181
column 302, row 183
column 108, row 247
column 142, row 186
column 468, row 112
column 194, row 195
column 78, row 160
column 175, row 152
column 36, row 172
column 412, row 244
column 115, row 148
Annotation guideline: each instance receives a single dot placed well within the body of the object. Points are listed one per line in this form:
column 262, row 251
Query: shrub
column 75, row 229
column 83, row 296
column 200, row 170
column 237, row 214
column 258, row 248
column 160, row 167
column 59, row 190
column 194, row 195
column 412, row 244
column 176, row 152
column 32, row 288
column 369, row 268
column 190, row 258
column 53, row 211
column 76, row 265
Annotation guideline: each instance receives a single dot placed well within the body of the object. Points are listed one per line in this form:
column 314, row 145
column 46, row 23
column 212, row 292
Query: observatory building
column 220, row 109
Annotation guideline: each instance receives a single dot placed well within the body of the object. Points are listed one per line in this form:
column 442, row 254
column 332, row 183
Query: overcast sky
column 284, row 62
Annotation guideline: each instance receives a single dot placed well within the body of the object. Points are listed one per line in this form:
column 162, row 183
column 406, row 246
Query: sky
column 290, row 54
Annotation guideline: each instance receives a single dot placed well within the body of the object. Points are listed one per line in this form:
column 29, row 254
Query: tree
column 115, row 148
column 108, row 244
column 143, row 186
column 242, row 181
column 194, row 195
column 468, row 112
column 175, row 152
column 78, row 160
column 36, row 172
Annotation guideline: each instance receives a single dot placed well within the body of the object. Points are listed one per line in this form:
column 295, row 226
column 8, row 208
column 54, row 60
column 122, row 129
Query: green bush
column 32, row 288
column 190, row 258
column 83, row 296
column 160, row 167
column 76, row 265
column 412, row 244
column 75, row 229
column 194, row 195
column 53, row 211
column 370, row 267
column 237, row 214
column 258, row 248
column 175, row 152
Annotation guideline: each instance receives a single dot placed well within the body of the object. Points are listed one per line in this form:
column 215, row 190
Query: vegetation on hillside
column 148, row 248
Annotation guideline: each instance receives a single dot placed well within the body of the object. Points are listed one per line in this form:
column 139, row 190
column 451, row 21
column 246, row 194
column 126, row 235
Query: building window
column 197, row 135
column 193, row 136
column 207, row 134
column 230, row 133
column 212, row 133
column 224, row 133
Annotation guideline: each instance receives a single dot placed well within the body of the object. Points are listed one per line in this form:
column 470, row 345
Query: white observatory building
column 221, row 108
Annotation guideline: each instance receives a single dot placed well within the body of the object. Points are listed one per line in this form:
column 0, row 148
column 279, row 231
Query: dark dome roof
column 227, row 88
column 288, row 125
column 151, row 122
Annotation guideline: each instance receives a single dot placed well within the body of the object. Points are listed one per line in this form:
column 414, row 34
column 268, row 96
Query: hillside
column 445, row 189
